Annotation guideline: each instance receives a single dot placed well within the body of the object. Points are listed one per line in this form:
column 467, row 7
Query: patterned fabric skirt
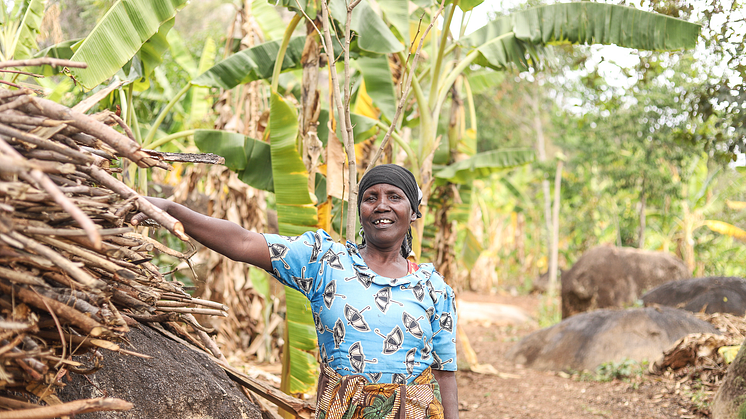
column 353, row 397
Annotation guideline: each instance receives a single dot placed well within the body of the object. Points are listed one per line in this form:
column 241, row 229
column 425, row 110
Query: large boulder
column 177, row 382
column 710, row 295
column 607, row 276
column 587, row 340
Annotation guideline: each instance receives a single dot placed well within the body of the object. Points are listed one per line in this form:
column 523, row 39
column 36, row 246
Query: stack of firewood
column 73, row 275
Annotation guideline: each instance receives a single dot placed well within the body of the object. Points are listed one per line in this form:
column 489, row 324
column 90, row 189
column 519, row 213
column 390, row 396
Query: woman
column 386, row 326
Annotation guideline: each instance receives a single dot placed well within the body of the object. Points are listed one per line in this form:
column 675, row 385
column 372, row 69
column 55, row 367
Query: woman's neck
column 390, row 264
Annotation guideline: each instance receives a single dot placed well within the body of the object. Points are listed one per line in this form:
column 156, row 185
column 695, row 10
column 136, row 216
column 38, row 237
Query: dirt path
column 518, row 392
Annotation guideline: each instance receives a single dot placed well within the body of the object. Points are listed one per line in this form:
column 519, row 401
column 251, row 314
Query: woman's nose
column 383, row 204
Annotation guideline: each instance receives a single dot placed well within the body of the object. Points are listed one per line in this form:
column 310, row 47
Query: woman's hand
column 157, row 202
column 222, row 236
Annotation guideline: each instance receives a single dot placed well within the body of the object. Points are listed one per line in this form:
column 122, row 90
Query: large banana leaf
column 397, row 13
column 268, row 19
column 364, row 127
column 296, row 214
column 119, row 35
column 378, row 83
column 508, row 39
column 467, row 5
column 483, row 164
column 484, row 80
column 24, row 44
column 151, row 53
column 252, row 64
column 373, row 33
column 249, row 158
column 302, row 342
column 181, row 54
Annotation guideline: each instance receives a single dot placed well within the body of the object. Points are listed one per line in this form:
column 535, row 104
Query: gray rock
column 587, row 340
column 711, row 295
column 607, row 277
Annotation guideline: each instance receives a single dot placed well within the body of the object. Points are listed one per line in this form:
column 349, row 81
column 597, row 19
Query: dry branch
column 71, row 408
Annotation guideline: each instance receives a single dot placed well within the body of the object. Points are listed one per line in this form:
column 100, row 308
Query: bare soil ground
column 517, row 392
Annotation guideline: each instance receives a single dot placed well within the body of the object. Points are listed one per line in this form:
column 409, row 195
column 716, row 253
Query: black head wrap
column 396, row 175
column 403, row 179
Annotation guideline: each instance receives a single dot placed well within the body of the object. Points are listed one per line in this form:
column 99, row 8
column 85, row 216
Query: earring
column 362, row 236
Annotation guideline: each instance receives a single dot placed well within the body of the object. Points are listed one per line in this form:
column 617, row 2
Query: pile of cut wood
column 73, row 276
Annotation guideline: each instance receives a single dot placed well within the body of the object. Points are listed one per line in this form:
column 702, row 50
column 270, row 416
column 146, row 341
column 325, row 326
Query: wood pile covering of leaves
column 73, row 276
column 700, row 360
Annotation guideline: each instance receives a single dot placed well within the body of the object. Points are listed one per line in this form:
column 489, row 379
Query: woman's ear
column 413, row 217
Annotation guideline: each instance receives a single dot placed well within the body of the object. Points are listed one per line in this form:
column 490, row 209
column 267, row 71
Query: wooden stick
column 196, row 301
column 70, row 408
column 207, row 158
column 206, row 340
column 75, row 272
column 194, row 310
column 157, row 214
column 54, row 62
column 76, row 318
column 21, row 276
column 120, row 142
column 72, row 209
column 16, row 404
column 46, row 144
column 16, row 165
column 93, row 258
column 67, row 232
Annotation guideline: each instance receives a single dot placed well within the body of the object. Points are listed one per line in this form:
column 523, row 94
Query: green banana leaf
column 363, row 127
column 302, row 342
column 373, row 33
column 508, row 39
column 397, row 13
column 497, row 45
column 119, row 35
column 150, row 55
column 599, row 23
column 181, row 54
column 484, row 164
column 484, row 80
column 63, row 51
column 249, row 158
column 378, row 83
column 268, row 19
column 252, row 64
column 467, row 5
column 24, row 44
column 296, row 214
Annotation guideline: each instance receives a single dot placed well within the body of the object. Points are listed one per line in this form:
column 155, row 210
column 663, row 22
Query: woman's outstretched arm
column 222, row 236
column 448, row 392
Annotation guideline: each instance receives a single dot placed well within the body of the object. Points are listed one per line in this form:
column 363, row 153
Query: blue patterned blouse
column 389, row 330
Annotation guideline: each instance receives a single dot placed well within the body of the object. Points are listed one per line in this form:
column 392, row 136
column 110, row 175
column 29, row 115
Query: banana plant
column 19, row 28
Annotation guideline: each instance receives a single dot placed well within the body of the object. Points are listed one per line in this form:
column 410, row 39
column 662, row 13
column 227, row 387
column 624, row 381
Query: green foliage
column 625, row 370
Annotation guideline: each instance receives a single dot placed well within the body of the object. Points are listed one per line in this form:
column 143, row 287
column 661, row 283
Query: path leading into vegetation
column 516, row 392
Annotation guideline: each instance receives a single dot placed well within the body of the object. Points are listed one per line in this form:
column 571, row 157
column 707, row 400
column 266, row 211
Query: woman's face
column 385, row 215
